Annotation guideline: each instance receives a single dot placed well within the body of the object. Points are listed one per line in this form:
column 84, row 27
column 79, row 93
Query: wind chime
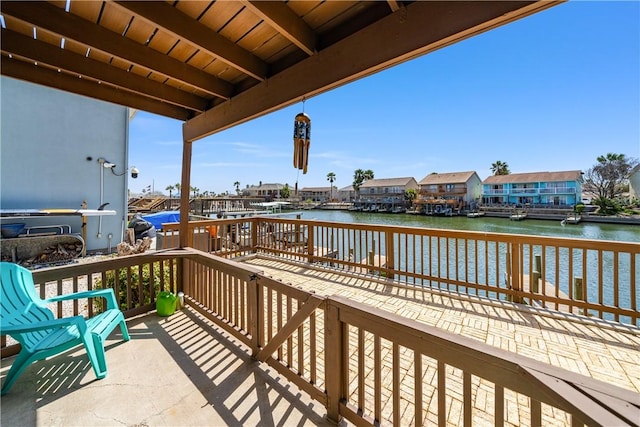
column 301, row 142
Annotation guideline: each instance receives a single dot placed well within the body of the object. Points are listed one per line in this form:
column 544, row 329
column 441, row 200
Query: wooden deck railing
column 375, row 368
column 136, row 280
column 590, row 277
column 363, row 364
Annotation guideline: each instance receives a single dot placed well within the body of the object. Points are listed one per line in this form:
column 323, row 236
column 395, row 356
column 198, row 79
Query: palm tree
column 360, row 176
column 170, row 189
column 500, row 168
column 195, row 191
column 237, row 185
column 331, row 177
column 177, row 185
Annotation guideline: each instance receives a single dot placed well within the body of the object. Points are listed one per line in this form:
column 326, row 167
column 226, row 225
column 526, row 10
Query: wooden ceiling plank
column 89, row 10
column 140, row 30
column 278, row 15
column 89, row 88
column 182, row 26
column 219, row 14
column 63, row 59
column 114, row 18
column 166, row 43
column 326, row 12
column 69, row 26
column 201, row 60
column 388, row 42
column 264, row 35
column 241, row 25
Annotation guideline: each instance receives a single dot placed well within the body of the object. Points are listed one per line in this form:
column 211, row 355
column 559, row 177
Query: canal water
column 553, row 228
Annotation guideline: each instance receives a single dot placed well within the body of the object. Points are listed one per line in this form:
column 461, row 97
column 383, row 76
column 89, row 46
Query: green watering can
column 166, row 303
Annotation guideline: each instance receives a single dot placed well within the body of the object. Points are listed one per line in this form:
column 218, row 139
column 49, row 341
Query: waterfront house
column 384, row 194
column 315, row 194
column 346, row 194
column 536, row 189
column 451, row 191
column 266, row 191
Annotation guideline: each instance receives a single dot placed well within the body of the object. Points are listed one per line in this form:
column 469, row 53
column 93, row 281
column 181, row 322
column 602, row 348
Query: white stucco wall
column 50, row 142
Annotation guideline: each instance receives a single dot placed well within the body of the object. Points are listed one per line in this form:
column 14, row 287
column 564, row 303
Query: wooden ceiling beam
column 86, row 87
column 26, row 47
column 67, row 25
column 393, row 5
column 281, row 18
column 184, row 27
column 392, row 40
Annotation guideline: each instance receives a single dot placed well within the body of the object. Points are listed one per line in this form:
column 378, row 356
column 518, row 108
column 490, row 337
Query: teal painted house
column 543, row 189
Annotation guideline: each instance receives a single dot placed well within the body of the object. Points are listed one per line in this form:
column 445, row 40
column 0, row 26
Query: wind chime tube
column 301, row 141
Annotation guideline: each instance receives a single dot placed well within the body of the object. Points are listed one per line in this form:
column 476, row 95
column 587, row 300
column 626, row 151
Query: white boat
column 572, row 219
column 475, row 214
column 518, row 216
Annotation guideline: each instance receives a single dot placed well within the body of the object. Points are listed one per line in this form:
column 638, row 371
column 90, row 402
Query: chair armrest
column 97, row 293
column 47, row 324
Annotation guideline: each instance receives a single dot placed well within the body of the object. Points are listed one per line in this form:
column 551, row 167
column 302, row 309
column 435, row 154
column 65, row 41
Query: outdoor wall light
column 111, row 166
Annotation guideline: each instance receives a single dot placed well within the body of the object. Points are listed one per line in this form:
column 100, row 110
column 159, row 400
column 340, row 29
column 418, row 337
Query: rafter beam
column 41, row 75
column 393, row 5
column 67, row 25
column 418, row 31
column 278, row 15
column 184, row 27
column 20, row 45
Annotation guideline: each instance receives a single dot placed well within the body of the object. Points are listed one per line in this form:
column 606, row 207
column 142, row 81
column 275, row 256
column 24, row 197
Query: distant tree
column 360, row 176
column 500, row 168
column 177, row 185
column 195, row 191
column 170, row 189
column 410, row 195
column 609, row 178
column 237, row 185
column 331, row 177
column 285, row 193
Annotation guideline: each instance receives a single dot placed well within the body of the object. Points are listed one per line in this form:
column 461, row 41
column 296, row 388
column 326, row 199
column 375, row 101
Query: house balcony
column 354, row 323
column 443, row 193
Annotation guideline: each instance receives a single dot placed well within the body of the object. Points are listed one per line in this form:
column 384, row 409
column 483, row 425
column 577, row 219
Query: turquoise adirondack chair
column 26, row 317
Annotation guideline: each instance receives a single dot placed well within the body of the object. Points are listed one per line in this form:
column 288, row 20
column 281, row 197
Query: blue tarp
column 158, row 218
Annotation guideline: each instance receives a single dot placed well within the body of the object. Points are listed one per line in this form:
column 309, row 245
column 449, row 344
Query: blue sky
column 550, row 92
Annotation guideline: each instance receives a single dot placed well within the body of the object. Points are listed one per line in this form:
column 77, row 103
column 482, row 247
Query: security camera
column 134, row 172
column 108, row 165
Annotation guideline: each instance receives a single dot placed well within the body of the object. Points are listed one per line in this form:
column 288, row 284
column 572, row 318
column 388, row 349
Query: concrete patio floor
column 175, row 371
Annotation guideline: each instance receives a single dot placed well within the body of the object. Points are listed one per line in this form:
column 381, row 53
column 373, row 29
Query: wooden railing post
column 516, row 285
column 534, row 286
column 333, row 337
column 255, row 314
column 389, row 254
column 256, row 224
column 310, row 242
